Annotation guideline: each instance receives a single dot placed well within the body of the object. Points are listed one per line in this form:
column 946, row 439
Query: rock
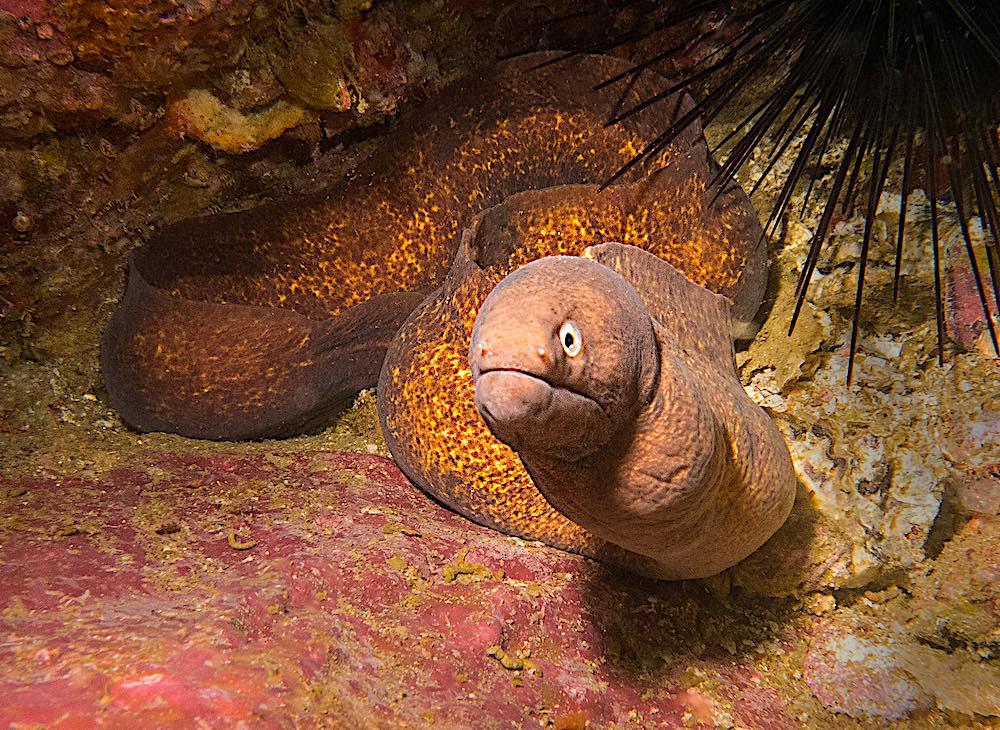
column 864, row 664
column 958, row 601
column 854, row 668
column 277, row 588
column 876, row 457
column 808, row 553
column 959, row 685
column 871, row 474
column 317, row 65
column 771, row 366
column 964, row 310
column 970, row 432
column 201, row 115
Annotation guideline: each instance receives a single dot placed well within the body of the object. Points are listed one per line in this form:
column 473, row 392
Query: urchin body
column 908, row 90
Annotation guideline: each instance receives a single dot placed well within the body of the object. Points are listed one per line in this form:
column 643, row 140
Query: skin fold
column 266, row 323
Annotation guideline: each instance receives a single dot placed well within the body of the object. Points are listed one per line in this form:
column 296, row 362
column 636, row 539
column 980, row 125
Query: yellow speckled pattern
column 427, row 407
column 394, row 225
column 192, row 347
column 426, row 393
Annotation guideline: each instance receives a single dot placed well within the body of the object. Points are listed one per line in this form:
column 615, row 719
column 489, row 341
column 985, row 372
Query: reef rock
column 865, row 664
column 887, row 461
column 959, row 599
column 274, row 589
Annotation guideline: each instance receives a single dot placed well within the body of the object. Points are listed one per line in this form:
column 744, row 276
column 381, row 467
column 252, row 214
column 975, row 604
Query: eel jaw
column 530, row 414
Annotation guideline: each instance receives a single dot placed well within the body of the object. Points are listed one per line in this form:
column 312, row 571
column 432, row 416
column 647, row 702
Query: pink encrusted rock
column 959, row 601
column 865, row 662
column 323, row 588
column 383, row 59
column 966, row 319
column 858, row 668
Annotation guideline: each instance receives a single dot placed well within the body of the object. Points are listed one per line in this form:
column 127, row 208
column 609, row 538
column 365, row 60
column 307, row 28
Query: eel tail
column 233, row 371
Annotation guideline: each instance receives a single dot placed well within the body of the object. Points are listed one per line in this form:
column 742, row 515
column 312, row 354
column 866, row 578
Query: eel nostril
column 482, row 348
column 541, row 352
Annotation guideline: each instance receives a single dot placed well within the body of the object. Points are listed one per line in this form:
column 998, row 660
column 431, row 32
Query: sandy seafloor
column 888, row 569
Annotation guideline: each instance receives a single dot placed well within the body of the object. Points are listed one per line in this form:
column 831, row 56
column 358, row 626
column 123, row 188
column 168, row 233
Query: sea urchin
column 916, row 81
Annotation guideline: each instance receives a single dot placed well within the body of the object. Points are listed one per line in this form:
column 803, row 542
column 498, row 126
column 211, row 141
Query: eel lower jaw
column 528, row 413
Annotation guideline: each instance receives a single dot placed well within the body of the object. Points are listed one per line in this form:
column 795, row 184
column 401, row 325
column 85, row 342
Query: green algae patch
column 316, row 67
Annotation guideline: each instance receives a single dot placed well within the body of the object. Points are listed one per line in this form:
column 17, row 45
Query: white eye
column 569, row 337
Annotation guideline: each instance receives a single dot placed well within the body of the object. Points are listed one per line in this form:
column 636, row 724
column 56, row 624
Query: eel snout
column 558, row 353
column 525, row 411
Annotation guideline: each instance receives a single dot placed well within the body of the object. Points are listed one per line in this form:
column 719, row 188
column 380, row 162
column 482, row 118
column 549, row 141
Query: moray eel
column 617, row 389
column 266, row 323
column 677, row 473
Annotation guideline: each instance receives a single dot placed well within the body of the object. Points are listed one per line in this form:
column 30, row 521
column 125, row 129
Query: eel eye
column 569, row 337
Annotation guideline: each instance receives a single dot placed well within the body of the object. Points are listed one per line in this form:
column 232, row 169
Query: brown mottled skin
column 427, row 397
column 617, row 387
column 267, row 322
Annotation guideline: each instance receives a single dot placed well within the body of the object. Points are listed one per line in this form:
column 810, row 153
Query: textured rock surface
column 121, row 594
column 886, row 463
column 958, row 602
column 864, row 663
column 859, row 671
column 322, row 587
column 119, row 117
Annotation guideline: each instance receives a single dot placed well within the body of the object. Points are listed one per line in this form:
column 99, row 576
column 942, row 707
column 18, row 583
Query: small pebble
column 819, row 603
column 22, row 222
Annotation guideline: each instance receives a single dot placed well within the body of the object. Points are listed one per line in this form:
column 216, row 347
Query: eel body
column 427, row 395
column 265, row 323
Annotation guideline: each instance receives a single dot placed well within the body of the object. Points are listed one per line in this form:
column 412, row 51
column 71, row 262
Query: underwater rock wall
column 877, row 602
column 891, row 462
column 117, row 118
column 321, row 589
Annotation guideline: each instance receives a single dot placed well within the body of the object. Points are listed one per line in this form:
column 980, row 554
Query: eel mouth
column 524, row 410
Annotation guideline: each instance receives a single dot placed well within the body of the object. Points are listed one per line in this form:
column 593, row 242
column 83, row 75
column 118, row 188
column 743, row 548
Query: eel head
column 563, row 356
